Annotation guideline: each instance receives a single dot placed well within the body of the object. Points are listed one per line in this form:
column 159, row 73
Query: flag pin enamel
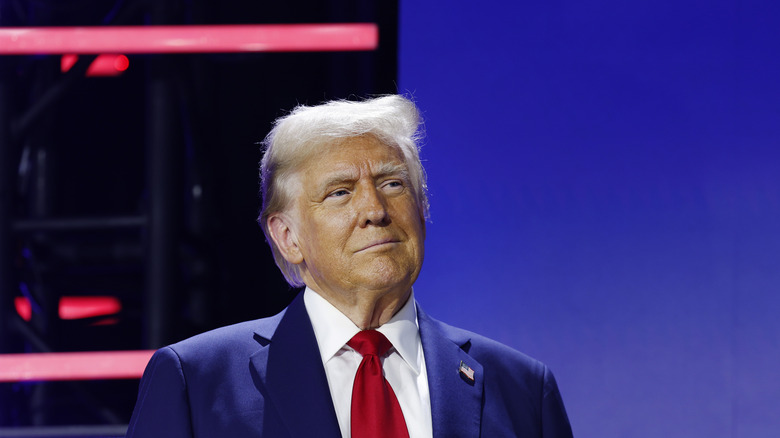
column 466, row 372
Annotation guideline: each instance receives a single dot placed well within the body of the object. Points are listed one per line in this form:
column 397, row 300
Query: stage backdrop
column 605, row 190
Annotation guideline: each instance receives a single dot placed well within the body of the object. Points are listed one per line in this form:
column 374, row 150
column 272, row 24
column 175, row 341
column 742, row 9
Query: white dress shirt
column 404, row 366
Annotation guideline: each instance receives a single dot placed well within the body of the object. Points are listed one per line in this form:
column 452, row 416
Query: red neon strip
column 74, row 307
column 189, row 39
column 92, row 365
column 103, row 65
column 88, row 307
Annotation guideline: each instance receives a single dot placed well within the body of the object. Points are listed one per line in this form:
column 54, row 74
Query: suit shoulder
column 230, row 338
column 490, row 351
column 514, row 383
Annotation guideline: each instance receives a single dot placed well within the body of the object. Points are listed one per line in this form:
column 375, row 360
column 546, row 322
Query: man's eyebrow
column 337, row 179
column 390, row 169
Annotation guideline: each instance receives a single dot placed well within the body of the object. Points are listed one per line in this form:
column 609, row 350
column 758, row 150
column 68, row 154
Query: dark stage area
column 143, row 187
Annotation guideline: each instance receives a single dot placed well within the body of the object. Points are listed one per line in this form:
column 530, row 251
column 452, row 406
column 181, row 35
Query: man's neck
column 367, row 310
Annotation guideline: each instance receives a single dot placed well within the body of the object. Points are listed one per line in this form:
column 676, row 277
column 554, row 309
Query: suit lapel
column 456, row 401
column 290, row 369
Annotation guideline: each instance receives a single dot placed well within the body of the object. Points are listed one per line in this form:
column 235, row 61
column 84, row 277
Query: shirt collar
column 333, row 329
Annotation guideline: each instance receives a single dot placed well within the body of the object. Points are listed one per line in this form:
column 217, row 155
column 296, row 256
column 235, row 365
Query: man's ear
column 281, row 231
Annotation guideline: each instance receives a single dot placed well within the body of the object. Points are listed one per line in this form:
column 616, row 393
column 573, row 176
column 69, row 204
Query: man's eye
column 394, row 184
column 339, row 193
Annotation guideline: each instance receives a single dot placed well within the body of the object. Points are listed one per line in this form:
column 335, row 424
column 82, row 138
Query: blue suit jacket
column 265, row 378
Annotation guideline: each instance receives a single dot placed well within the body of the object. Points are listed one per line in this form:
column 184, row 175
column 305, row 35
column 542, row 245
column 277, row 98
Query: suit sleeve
column 555, row 422
column 162, row 408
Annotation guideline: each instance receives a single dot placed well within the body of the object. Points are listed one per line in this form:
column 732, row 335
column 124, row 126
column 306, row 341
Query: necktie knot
column 370, row 342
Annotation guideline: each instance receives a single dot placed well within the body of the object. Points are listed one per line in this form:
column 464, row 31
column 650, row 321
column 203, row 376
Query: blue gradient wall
column 605, row 189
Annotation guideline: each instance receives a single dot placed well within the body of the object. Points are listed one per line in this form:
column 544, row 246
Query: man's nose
column 372, row 208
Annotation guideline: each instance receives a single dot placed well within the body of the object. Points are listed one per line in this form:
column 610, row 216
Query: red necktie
column 375, row 410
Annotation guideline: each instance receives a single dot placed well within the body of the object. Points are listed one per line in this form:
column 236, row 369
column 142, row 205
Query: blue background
column 605, row 196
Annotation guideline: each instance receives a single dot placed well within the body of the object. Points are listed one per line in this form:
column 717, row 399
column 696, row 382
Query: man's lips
column 378, row 243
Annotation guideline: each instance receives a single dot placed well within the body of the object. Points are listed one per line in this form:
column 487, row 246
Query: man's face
column 358, row 223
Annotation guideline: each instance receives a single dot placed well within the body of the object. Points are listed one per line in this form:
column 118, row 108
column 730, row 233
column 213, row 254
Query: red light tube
column 103, row 65
column 88, row 307
column 90, row 365
column 189, row 39
column 75, row 307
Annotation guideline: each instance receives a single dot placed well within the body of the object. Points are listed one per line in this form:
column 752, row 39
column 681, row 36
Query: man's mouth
column 378, row 244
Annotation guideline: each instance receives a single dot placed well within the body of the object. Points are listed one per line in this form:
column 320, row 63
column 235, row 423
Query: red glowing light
column 67, row 61
column 76, row 308
column 103, row 65
column 88, row 307
column 121, row 63
column 91, row 365
column 106, row 321
column 189, row 39
column 23, row 308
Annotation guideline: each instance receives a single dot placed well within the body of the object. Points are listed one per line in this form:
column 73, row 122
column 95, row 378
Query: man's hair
column 394, row 120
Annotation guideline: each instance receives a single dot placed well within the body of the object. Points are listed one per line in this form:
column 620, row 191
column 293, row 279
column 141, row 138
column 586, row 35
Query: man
column 344, row 209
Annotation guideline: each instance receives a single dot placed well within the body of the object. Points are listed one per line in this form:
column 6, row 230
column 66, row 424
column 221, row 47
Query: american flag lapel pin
column 466, row 372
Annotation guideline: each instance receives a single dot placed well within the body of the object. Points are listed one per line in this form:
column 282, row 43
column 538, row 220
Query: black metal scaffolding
column 160, row 211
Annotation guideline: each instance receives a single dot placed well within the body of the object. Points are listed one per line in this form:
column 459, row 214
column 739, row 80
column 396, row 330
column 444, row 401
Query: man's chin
column 385, row 278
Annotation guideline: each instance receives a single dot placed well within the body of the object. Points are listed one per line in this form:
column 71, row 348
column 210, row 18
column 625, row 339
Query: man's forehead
column 356, row 169
column 354, row 156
